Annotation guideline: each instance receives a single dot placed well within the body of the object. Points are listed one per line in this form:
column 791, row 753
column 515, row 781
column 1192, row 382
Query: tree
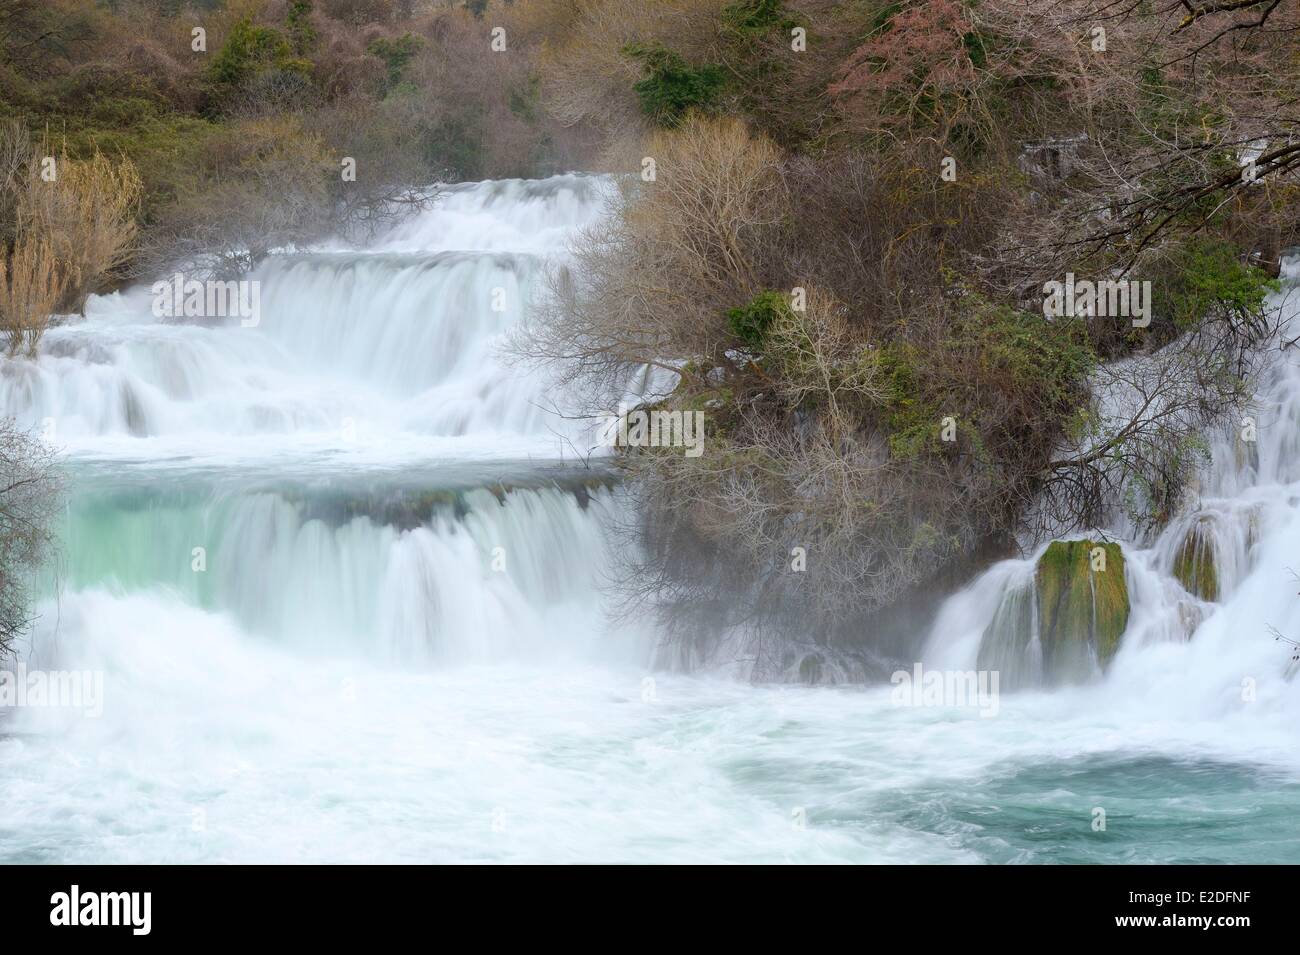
column 825, row 411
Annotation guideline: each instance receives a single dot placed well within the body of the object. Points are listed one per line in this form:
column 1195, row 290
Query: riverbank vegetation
column 261, row 124
column 854, row 211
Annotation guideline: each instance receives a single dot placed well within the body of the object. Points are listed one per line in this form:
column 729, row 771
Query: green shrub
column 395, row 54
column 672, row 87
column 755, row 16
column 1012, row 377
column 751, row 321
column 301, row 32
column 164, row 148
column 249, row 51
column 525, row 99
column 1206, row 278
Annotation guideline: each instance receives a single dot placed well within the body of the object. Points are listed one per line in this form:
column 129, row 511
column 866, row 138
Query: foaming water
column 414, row 575
column 1208, row 594
column 341, row 574
column 218, row 747
column 516, row 215
column 399, row 344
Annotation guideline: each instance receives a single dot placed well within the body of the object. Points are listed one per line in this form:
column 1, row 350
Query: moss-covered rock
column 1083, row 606
column 1194, row 564
column 1064, row 621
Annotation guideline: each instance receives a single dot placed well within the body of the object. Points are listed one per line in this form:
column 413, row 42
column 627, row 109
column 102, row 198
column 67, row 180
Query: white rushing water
column 339, row 574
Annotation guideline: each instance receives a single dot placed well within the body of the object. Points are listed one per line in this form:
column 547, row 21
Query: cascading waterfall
column 331, row 568
column 352, row 519
column 340, row 576
column 1221, row 565
column 387, row 345
column 1012, row 644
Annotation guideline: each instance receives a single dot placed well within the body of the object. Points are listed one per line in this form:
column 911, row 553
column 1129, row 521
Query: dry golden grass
column 60, row 238
column 86, row 216
column 31, row 284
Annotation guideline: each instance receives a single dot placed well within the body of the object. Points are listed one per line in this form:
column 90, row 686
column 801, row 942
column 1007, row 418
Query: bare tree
column 30, row 500
column 1143, row 434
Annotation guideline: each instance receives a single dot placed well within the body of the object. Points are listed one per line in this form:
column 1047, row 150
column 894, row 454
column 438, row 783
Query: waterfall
column 404, row 575
column 390, row 345
column 359, row 471
column 1206, row 593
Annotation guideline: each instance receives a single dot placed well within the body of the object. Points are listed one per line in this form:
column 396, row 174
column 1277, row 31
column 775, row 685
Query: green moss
column 1194, row 564
column 1083, row 605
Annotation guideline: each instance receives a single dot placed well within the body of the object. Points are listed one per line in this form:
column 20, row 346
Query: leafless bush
column 1179, row 99
column 31, row 285
column 653, row 282
column 885, row 233
column 1143, row 434
column 30, row 501
column 359, row 12
column 588, row 76
column 263, row 185
column 86, row 216
column 392, row 178
column 15, row 153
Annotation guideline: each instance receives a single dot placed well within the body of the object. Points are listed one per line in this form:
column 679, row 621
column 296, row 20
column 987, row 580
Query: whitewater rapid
column 1184, row 652
column 396, row 648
